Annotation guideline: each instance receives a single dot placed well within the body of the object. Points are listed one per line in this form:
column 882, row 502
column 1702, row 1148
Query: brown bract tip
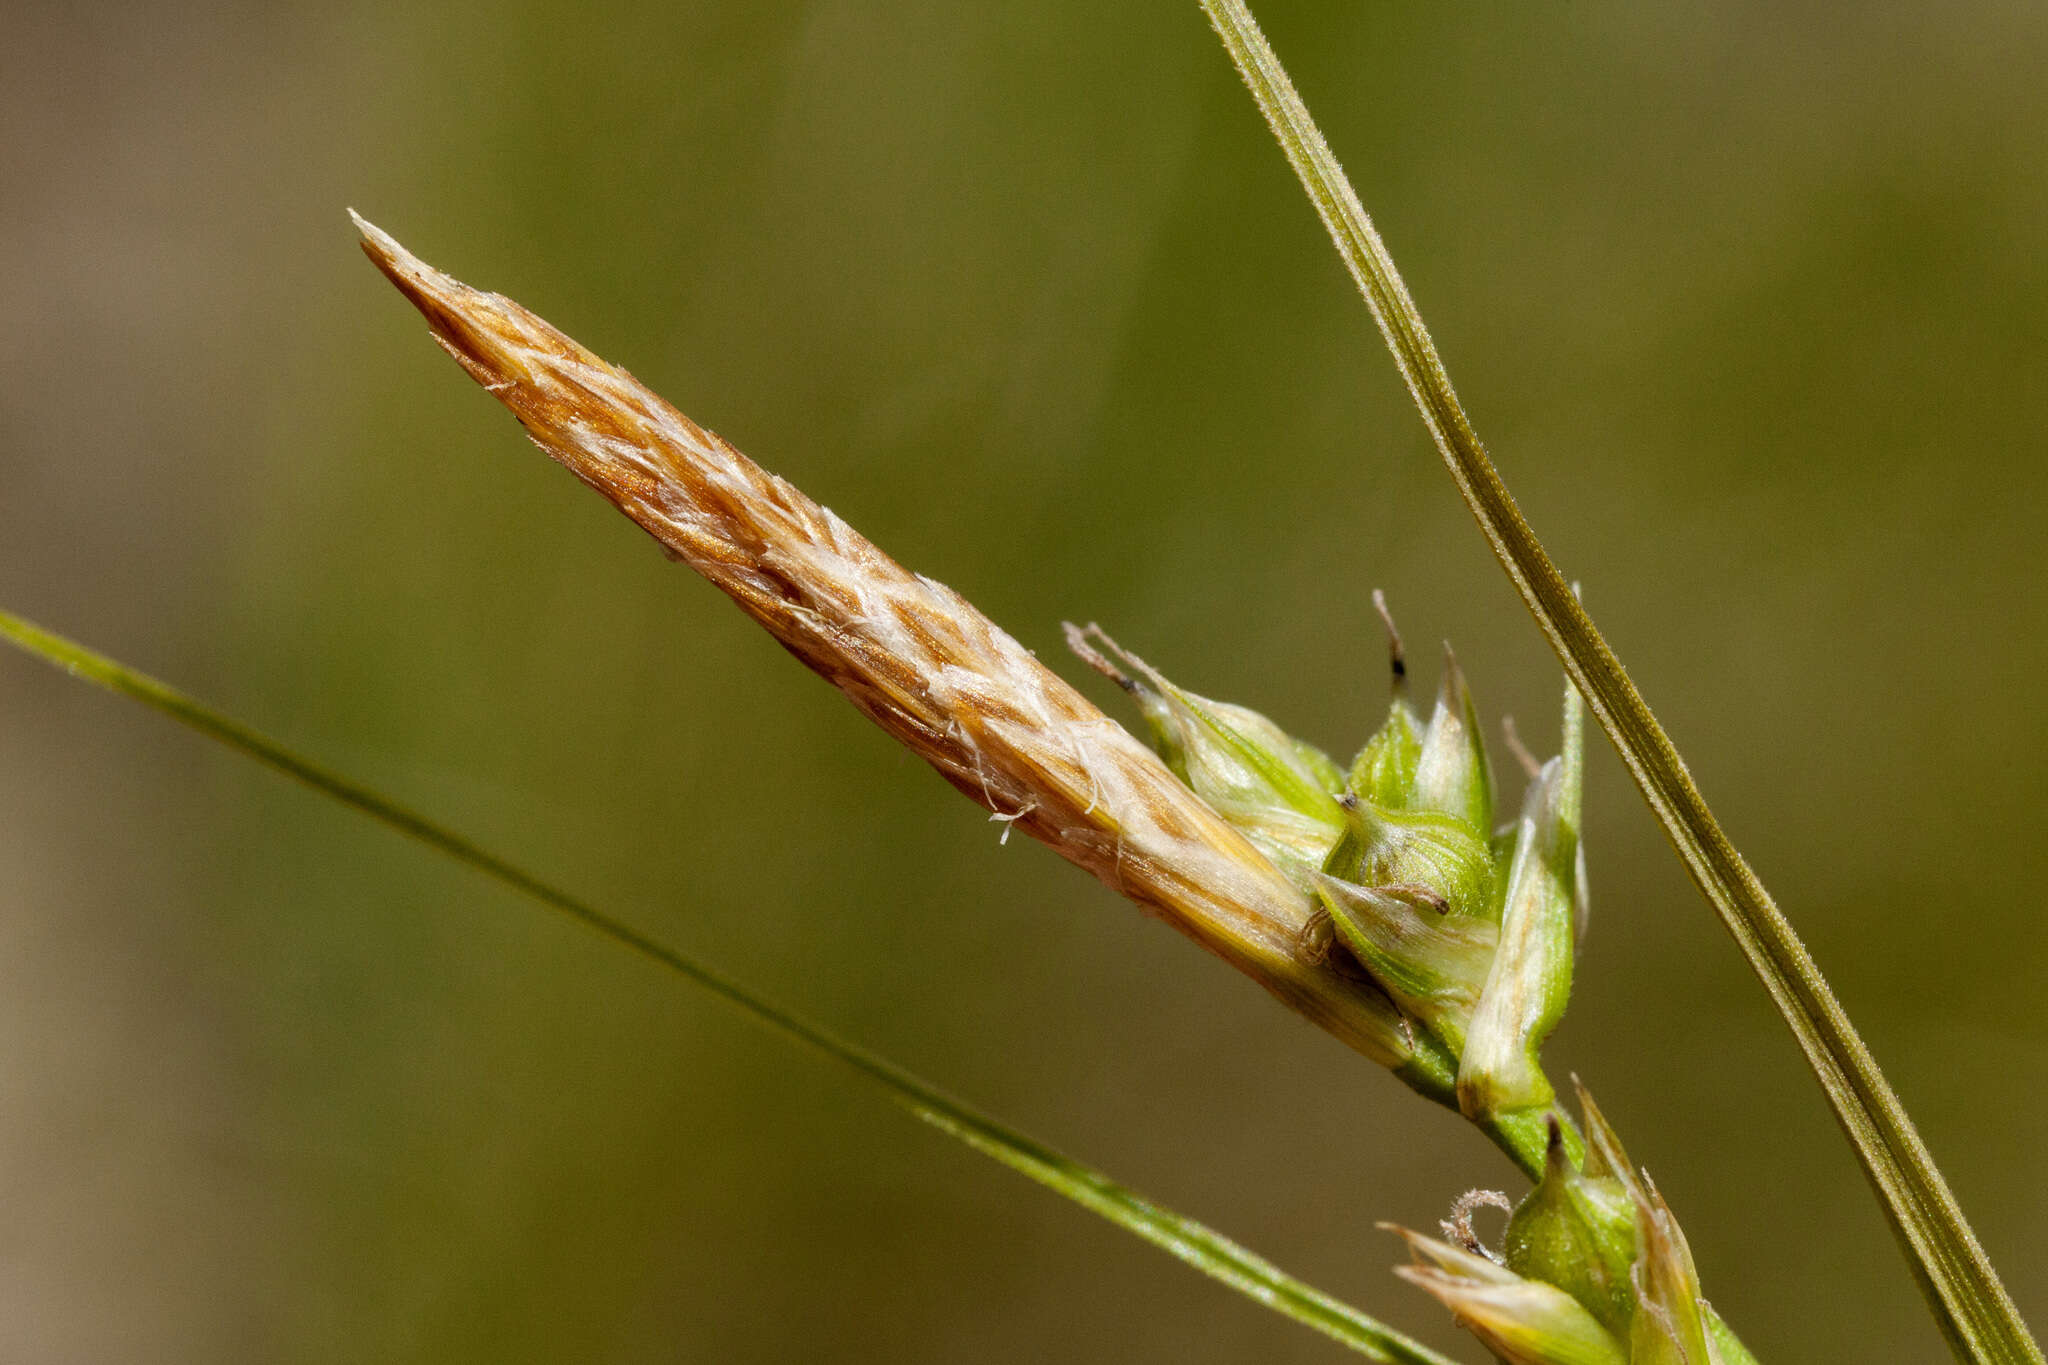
column 475, row 327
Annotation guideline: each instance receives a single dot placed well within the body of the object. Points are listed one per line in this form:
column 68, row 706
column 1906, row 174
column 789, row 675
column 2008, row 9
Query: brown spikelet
column 912, row 654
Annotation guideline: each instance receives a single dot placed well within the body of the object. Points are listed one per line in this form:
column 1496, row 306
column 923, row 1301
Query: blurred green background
column 1750, row 301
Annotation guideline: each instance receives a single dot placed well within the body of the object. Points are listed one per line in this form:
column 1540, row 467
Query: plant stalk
column 1971, row 1305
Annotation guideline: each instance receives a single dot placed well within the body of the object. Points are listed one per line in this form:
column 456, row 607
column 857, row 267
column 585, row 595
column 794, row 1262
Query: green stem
column 1523, row 1134
column 1974, row 1311
column 1201, row 1247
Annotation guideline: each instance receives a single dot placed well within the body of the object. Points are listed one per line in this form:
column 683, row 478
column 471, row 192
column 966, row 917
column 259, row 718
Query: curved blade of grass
column 1203, row 1248
column 1971, row 1305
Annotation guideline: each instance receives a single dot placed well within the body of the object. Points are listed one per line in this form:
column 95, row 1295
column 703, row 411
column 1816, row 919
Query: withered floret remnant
column 1595, row 1270
column 911, row 654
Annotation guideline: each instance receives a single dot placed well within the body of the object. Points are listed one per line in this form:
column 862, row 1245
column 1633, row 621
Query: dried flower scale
column 912, row 654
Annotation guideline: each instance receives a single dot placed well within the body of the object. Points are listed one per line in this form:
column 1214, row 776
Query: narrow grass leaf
column 1974, row 1311
column 1201, row 1247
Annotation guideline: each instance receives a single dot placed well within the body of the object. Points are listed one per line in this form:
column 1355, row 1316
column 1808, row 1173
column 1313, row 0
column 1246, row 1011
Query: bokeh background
column 1751, row 302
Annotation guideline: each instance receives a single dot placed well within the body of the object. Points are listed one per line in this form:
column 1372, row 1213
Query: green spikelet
column 1469, row 931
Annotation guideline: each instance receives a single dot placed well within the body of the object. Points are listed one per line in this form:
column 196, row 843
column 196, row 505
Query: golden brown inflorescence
column 912, row 654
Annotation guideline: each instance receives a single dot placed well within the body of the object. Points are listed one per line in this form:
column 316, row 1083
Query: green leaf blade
column 1187, row 1240
column 1971, row 1305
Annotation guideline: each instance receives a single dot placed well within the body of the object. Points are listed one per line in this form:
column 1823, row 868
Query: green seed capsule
column 1577, row 1230
column 1432, row 963
column 1280, row 792
column 1384, row 771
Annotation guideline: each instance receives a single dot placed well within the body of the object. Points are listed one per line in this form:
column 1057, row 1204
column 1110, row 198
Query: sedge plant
column 1403, row 899
column 1382, row 901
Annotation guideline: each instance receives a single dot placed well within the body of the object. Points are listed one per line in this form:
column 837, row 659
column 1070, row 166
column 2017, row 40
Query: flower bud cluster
column 1468, row 928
